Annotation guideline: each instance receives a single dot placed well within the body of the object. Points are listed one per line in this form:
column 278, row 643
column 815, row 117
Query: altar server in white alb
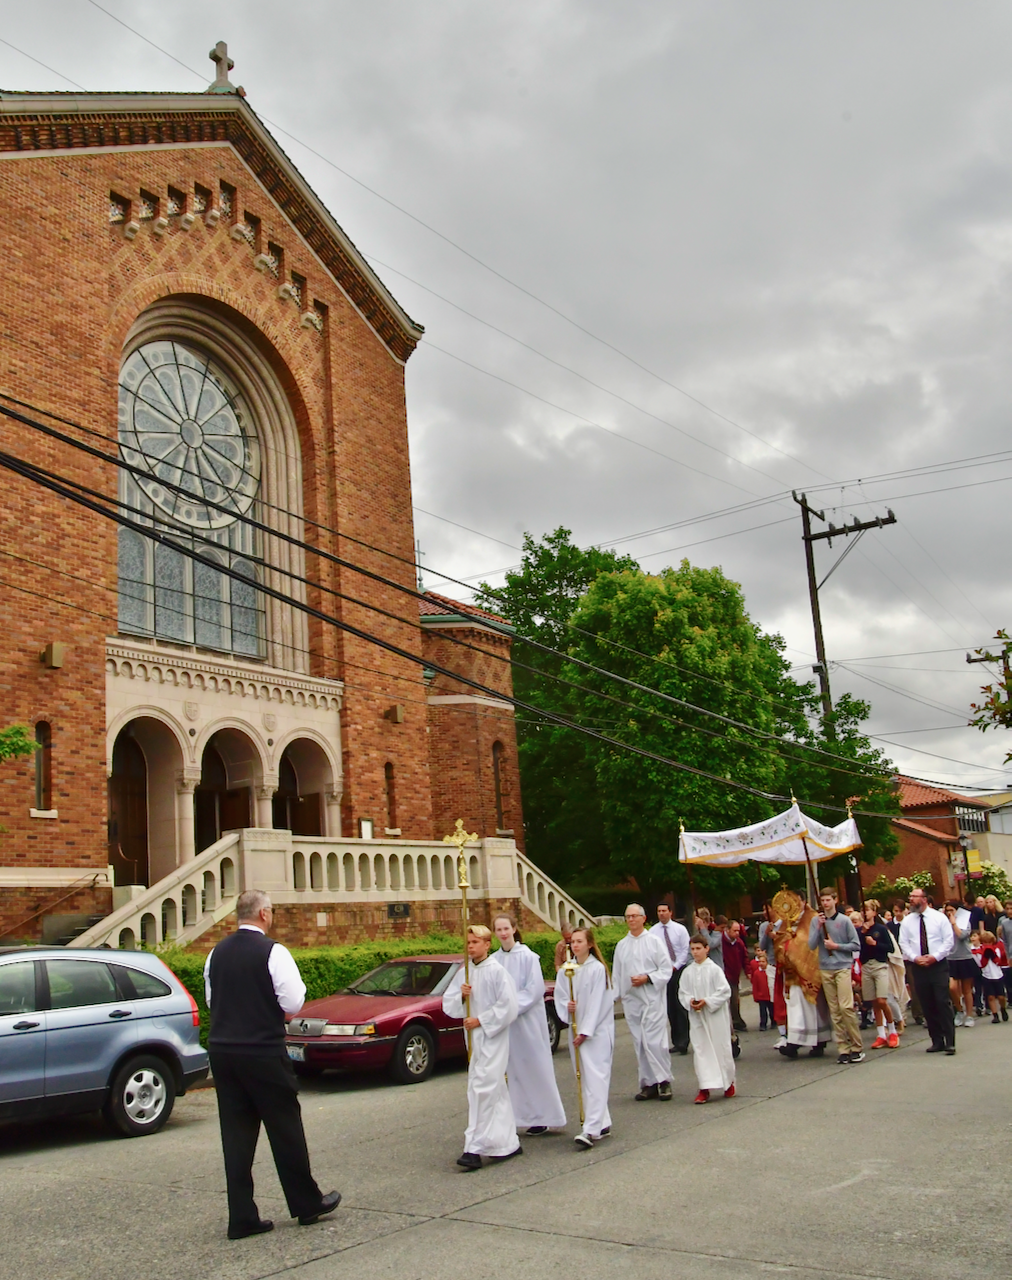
column 491, row 1129
column 641, row 972
column 591, row 1007
column 534, row 1094
column 706, row 994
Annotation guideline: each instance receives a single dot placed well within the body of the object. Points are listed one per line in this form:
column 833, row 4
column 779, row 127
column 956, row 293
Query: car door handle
column 24, row 1026
column 120, row 1013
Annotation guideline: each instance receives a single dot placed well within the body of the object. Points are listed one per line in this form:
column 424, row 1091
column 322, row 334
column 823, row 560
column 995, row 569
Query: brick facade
column 76, row 286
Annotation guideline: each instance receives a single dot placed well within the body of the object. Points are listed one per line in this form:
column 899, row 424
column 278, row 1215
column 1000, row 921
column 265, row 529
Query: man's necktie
column 924, row 937
column 667, row 939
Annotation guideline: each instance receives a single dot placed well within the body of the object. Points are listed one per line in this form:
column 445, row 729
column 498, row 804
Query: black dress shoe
column 328, row 1204
column 788, row 1050
column 950, row 1049
column 470, row 1161
column 535, row 1129
column 509, row 1156
column 240, row 1233
column 817, row 1051
column 935, row 1048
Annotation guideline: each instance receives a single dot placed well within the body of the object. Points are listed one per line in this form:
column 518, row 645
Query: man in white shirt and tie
column 926, row 938
column 675, row 937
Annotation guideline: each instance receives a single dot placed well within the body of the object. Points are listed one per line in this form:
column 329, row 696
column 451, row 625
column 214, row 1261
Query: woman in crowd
column 962, row 968
column 592, row 1006
column 537, row 1106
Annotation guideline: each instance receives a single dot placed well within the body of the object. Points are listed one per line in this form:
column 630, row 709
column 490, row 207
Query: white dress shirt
column 288, row 985
column 678, row 936
column 941, row 939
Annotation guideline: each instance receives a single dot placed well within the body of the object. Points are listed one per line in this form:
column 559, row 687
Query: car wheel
column 141, row 1098
column 414, row 1055
column 554, row 1027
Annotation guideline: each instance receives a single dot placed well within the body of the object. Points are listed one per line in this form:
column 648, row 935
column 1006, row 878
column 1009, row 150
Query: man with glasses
column 251, row 983
column 926, row 939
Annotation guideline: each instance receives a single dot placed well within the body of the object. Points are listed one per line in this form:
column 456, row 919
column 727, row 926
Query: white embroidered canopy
column 782, row 839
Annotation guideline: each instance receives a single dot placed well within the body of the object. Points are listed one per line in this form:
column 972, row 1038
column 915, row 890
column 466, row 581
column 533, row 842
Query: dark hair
column 700, row 940
column 720, row 920
column 504, row 915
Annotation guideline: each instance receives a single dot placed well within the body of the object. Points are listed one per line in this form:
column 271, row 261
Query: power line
column 51, row 70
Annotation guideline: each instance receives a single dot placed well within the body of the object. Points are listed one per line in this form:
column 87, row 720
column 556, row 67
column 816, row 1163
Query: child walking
column 992, row 960
column 763, row 975
column 706, row 994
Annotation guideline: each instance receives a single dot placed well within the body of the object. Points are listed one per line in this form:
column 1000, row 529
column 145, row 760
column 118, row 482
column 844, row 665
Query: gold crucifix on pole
column 459, row 837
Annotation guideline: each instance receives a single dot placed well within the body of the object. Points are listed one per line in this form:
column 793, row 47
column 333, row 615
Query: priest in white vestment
column 706, row 993
column 491, row 1129
column 534, row 1093
column 641, row 971
column 591, row 1008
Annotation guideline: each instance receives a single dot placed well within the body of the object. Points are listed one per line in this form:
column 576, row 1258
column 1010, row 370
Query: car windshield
column 404, row 978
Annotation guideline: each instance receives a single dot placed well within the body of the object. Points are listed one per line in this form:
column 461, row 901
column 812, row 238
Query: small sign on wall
column 398, row 910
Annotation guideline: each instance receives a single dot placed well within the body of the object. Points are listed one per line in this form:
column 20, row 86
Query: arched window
column 43, row 765
column 183, row 423
column 498, row 751
column 391, row 794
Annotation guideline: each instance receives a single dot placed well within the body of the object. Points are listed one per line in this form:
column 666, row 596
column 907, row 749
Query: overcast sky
column 780, row 239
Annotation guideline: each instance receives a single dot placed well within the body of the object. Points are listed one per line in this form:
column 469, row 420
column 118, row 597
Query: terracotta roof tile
column 914, row 795
column 923, row 829
column 433, row 605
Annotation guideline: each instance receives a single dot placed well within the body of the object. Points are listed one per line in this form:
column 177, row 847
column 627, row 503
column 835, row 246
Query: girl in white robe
column 706, row 994
column 537, row 1106
column 594, row 998
column 491, row 1129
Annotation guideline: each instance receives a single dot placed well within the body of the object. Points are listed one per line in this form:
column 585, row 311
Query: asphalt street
column 897, row 1167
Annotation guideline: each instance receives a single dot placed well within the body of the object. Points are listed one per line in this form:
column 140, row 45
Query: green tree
column 15, row 741
column 562, row 806
column 995, row 712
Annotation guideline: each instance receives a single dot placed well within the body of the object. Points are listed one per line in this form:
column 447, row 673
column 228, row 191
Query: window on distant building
column 43, row 765
column 974, row 820
column 498, row 751
column 391, row 794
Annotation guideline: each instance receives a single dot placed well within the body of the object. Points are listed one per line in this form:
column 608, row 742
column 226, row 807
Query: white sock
column 783, row 1032
column 891, row 1028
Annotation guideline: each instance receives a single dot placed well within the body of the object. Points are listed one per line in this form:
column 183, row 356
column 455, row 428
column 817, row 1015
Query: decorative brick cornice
column 72, row 122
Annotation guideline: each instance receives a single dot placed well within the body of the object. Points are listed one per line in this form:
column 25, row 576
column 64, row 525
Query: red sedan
column 392, row 1019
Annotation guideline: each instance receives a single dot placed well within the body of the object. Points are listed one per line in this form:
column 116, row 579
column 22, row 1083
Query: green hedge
column 328, row 969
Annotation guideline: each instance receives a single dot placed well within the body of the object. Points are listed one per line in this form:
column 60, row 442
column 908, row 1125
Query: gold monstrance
column 460, row 837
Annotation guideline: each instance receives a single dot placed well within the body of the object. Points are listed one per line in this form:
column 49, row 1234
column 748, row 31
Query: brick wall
column 72, row 288
column 20, row 918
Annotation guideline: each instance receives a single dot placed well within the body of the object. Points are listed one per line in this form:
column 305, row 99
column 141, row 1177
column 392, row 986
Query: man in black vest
column 251, row 983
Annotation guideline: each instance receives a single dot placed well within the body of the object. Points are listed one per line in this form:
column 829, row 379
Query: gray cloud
column 800, row 214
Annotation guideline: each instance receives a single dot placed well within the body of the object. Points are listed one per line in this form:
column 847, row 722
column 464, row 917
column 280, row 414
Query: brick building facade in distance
column 175, row 290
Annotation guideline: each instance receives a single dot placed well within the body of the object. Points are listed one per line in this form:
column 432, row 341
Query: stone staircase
column 324, row 872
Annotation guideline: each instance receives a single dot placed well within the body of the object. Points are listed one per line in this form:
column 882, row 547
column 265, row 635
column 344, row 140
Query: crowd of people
column 817, row 973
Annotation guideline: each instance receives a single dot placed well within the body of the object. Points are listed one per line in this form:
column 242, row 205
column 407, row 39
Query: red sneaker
column 894, row 1041
column 881, row 1043
column 729, row 1091
column 702, row 1096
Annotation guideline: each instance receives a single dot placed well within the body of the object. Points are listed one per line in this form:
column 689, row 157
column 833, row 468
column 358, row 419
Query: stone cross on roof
column 224, row 64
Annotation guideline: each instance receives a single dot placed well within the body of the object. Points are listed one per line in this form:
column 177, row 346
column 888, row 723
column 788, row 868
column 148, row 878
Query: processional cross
column 459, row 837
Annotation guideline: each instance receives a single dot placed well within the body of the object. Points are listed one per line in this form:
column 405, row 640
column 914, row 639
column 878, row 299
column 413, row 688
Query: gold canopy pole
column 459, row 837
column 569, row 969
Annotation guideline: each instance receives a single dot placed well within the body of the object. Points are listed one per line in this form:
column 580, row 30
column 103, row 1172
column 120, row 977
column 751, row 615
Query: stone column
column 332, row 811
column 265, row 803
column 186, row 845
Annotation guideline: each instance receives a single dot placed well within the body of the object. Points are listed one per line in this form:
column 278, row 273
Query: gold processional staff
column 569, row 969
column 460, row 837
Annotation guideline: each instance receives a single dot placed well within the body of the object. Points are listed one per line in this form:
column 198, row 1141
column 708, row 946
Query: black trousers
column 931, row 982
column 677, row 1016
column 253, row 1090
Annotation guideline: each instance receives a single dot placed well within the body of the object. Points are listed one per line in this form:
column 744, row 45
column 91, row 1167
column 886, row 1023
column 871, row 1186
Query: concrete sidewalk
column 814, row 1169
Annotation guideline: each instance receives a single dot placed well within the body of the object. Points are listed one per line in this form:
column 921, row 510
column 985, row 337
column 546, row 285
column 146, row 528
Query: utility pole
column 858, row 527
column 1003, row 658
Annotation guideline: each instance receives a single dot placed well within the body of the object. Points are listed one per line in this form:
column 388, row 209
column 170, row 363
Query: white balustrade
column 324, row 871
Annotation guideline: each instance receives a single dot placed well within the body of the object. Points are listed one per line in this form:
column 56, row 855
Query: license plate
column 296, row 1052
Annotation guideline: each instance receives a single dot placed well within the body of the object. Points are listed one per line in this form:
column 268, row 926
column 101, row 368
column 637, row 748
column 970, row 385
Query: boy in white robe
column 534, row 1093
column 592, row 1007
column 491, row 1129
column 706, row 994
column 641, row 971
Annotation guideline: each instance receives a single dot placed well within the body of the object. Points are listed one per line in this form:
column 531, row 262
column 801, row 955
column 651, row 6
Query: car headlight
column 349, row 1029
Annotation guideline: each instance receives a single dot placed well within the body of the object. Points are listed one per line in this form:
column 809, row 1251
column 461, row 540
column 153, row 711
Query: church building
column 189, row 341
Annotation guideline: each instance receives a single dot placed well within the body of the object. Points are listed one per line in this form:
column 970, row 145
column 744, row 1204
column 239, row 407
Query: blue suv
column 114, row 1031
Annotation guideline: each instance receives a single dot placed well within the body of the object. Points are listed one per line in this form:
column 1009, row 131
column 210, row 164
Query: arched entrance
column 223, row 800
column 305, row 774
column 146, row 760
column 128, row 811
